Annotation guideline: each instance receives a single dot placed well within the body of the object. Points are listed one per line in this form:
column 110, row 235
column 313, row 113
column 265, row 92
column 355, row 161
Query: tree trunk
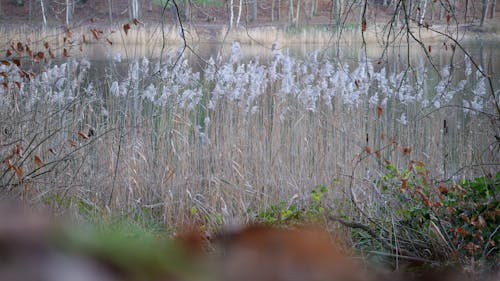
column 279, row 10
column 422, row 12
column 187, row 10
column 31, row 10
column 290, row 10
column 110, row 11
column 298, row 13
column 254, row 10
column 440, row 13
column 231, row 13
column 310, row 14
column 68, row 12
column 240, row 5
column 272, row 10
column 483, row 12
column 43, row 13
column 493, row 7
column 133, row 9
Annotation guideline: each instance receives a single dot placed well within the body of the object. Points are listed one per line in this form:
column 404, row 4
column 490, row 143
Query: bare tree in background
column 484, row 11
column 134, row 9
column 493, row 8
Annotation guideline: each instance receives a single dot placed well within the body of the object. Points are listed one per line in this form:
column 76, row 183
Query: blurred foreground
column 35, row 247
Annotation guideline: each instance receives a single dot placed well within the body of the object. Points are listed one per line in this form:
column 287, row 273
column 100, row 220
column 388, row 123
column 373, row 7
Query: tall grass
column 163, row 138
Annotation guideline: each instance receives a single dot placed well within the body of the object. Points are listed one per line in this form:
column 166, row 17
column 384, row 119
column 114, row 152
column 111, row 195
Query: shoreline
column 216, row 33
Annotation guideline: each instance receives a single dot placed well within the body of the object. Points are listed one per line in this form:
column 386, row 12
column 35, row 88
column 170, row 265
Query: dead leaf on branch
column 38, row 161
column 380, row 111
column 19, row 172
column 126, row 28
column 82, row 135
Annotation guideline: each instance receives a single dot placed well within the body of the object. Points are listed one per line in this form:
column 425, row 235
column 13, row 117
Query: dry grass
column 167, row 159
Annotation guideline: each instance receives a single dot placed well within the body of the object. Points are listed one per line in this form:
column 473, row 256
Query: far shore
column 151, row 33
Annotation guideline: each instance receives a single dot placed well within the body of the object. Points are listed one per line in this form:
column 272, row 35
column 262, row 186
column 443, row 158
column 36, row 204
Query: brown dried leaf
column 479, row 222
column 46, row 45
column 17, row 150
column 126, row 28
column 40, row 55
column 407, row 150
column 19, row 172
column 28, row 51
column 363, row 25
column 8, row 53
column 68, row 33
column 38, row 161
column 72, row 143
column 368, row 150
column 65, row 53
column 82, row 135
column 95, row 33
column 6, row 161
column 443, row 189
column 20, row 47
column 380, row 111
column 136, row 21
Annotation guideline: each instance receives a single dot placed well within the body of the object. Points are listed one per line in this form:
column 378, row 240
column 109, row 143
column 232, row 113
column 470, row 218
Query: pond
column 257, row 123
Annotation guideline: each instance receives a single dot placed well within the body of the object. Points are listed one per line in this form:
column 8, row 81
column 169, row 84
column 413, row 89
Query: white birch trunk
column 68, row 12
column 422, row 12
column 298, row 13
column 239, row 13
column 110, row 11
column 231, row 13
column 43, row 13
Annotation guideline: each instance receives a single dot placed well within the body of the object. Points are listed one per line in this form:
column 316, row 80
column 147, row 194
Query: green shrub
column 461, row 219
column 292, row 213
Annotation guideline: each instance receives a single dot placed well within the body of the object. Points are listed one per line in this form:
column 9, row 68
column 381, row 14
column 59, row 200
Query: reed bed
column 237, row 136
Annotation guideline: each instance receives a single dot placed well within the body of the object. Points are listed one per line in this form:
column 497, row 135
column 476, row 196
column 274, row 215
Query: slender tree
column 484, row 12
column 254, row 10
column 110, row 11
column 493, row 7
column 231, row 13
column 240, row 6
column 44, row 18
